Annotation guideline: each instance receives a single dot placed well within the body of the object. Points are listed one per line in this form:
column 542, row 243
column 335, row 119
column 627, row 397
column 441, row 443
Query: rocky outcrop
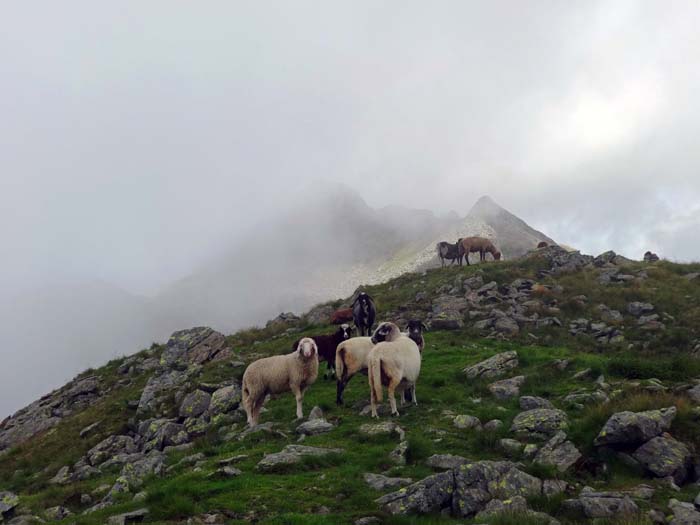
column 540, row 422
column 380, row 482
column 507, row 388
column 558, row 452
column 194, row 346
column 664, row 456
column 292, row 455
column 592, row 504
column 635, row 428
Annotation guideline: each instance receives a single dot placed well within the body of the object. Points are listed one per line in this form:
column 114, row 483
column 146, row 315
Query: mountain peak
column 485, row 207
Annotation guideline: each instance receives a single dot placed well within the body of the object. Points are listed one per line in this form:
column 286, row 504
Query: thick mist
column 160, row 160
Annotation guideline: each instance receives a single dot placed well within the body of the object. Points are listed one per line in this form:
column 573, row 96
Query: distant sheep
column 364, row 312
column 327, row 344
column 350, row 358
column 394, row 362
column 542, row 244
column 293, row 372
column 445, row 250
column 479, row 245
column 341, row 316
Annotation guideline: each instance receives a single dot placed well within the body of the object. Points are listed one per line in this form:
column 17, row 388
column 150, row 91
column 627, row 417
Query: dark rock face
column 195, row 404
column 635, row 428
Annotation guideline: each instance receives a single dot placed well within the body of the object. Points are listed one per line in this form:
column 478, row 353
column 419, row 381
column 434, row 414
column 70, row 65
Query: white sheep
column 394, row 361
column 350, row 358
column 293, row 372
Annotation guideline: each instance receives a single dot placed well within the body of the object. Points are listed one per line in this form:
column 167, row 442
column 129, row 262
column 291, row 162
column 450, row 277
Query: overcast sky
column 138, row 138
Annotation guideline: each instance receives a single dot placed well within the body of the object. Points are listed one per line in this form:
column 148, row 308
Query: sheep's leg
column 299, row 395
column 255, row 407
column 339, row 391
column 372, row 400
column 392, row 399
column 413, row 395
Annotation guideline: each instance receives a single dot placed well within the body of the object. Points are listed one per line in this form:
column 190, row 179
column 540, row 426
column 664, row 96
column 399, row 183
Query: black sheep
column 364, row 313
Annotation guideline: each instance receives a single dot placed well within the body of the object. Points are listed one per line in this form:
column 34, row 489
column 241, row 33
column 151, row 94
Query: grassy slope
column 337, row 483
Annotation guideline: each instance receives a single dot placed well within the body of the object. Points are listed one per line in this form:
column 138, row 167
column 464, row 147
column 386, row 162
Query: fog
column 142, row 142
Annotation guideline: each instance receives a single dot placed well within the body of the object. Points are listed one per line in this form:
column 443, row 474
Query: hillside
column 565, row 341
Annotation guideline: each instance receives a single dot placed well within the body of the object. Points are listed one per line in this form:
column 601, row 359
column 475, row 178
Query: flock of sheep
column 390, row 357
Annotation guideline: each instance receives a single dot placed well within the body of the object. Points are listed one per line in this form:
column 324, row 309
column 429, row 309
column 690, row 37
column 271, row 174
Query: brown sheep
column 542, row 244
column 344, row 315
column 293, row 372
column 478, row 245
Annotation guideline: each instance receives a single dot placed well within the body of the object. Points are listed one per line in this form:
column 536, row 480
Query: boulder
column 637, row 308
column 380, row 482
column 540, row 422
column 445, row 461
column 385, row 428
column 558, row 452
column 62, row 477
column 193, row 346
column 313, row 427
column 683, row 513
column 226, row 399
column 506, row 326
column 663, row 457
column 650, row 257
column 448, row 312
column 493, row 425
column 507, row 388
column 634, row 428
column 399, row 455
column 694, row 394
column 601, row 505
column 158, row 387
column 57, row 513
column 135, row 516
column 109, row 447
column 426, row 496
column 195, row 404
column 466, row 422
column 291, row 455
column 511, row 447
column 8, row 501
column 532, row 402
column 493, row 366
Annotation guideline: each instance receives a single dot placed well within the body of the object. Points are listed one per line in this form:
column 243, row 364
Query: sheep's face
column 415, row 328
column 383, row 332
column 497, row 256
column 345, row 331
column 364, row 301
column 307, row 348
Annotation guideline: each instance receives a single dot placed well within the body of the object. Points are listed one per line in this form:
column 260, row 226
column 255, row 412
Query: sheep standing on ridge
column 394, row 362
column 445, row 250
column 327, row 344
column 479, row 245
column 364, row 312
column 293, row 372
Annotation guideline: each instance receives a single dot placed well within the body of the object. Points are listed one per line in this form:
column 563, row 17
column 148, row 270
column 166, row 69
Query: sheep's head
column 415, row 328
column 307, row 348
column 365, row 301
column 385, row 332
column 497, row 256
column 345, row 331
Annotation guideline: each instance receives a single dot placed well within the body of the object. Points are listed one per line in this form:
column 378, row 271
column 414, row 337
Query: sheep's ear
column 369, row 297
column 424, row 327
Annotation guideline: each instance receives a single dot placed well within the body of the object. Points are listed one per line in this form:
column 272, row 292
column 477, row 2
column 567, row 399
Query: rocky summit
column 555, row 387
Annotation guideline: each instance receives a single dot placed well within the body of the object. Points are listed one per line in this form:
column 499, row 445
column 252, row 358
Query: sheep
column 364, row 313
column 445, row 250
column 542, row 244
column 480, row 245
column 293, row 372
column 394, row 361
column 350, row 358
column 327, row 344
column 414, row 330
column 344, row 315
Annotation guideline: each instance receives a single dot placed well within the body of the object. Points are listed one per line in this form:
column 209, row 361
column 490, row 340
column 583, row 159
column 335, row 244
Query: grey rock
column 8, row 501
column 466, row 422
column 634, row 428
column 428, row 495
column 664, row 456
column 57, row 513
column 368, row 520
column 195, row 404
column 158, row 387
column 385, row 428
column 134, row 516
column 314, row 427
column 109, row 447
column 493, row 425
column 316, row 413
column 88, row 429
column 194, row 346
column 694, row 394
column 507, row 388
column 228, row 472
column 683, row 513
column 637, row 308
column 532, row 402
column 291, row 455
column 379, row 482
column 506, row 326
column 554, row 487
column 558, row 452
column 399, row 455
column 511, row 447
column 493, row 366
column 62, row 477
column 225, row 400
column 161, row 433
column 540, row 422
column 446, row 461
column 601, row 505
